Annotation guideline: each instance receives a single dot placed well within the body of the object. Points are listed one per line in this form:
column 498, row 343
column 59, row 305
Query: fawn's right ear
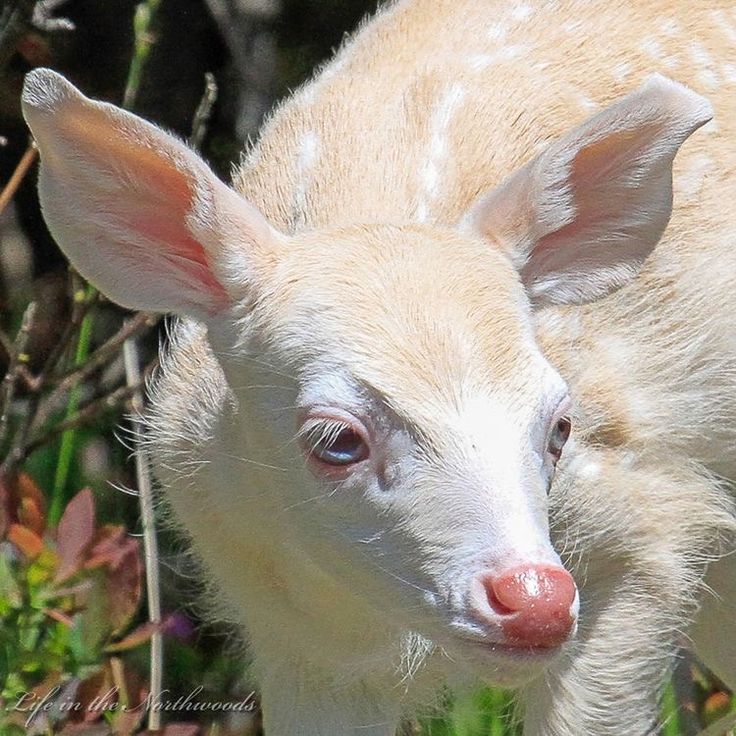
column 138, row 213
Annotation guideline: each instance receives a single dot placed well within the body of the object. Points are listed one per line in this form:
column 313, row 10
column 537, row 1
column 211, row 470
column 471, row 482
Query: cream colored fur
column 386, row 281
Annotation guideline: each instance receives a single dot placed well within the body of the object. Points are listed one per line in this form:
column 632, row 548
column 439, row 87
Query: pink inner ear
column 176, row 243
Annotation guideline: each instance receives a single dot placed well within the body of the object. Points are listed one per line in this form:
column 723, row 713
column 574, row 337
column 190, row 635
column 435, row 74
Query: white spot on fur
column 305, row 161
column 521, row 12
column 671, row 61
column 729, row 72
column 652, row 47
column 726, row 26
column 574, row 27
column 497, row 32
column 308, row 151
column 704, row 64
column 691, row 181
column 479, row 62
column 669, row 27
column 514, row 51
column 586, row 103
column 621, row 71
column 440, row 123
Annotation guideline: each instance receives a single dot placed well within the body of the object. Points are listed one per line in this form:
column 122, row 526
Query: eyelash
column 315, row 431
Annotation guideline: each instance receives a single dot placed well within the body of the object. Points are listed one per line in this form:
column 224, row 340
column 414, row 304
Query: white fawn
column 446, row 251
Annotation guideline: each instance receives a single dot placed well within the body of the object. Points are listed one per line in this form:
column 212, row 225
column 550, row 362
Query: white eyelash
column 321, row 431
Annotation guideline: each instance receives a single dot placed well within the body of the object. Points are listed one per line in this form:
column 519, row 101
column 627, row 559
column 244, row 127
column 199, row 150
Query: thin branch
column 82, row 303
column 204, row 111
column 81, row 418
column 143, row 29
column 144, row 39
column 35, row 384
column 18, row 357
column 141, row 322
column 106, row 353
column 150, row 543
column 15, row 180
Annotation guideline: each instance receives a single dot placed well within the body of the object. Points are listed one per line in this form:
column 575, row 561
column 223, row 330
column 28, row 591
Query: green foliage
column 487, row 712
column 67, row 594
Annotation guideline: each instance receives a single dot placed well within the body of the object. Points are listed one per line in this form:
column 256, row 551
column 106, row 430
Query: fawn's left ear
column 137, row 212
column 580, row 218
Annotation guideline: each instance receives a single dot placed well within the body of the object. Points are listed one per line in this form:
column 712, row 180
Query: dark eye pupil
column 345, row 448
column 558, row 438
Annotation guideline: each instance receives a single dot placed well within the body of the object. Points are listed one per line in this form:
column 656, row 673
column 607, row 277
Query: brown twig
column 107, row 352
column 21, row 170
column 86, row 415
column 141, row 322
column 35, row 384
column 204, row 111
column 18, row 357
column 81, row 304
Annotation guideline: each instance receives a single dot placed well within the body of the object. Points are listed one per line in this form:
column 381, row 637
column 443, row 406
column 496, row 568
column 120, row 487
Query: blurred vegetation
column 75, row 638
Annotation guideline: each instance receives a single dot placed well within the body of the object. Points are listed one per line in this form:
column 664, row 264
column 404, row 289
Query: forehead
column 410, row 313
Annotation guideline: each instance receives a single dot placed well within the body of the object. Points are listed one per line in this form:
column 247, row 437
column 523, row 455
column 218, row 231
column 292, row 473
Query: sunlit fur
column 376, row 295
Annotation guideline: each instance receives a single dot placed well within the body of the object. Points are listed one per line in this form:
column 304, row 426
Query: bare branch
column 204, row 110
column 17, row 358
column 145, row 496
column 15, row 180
column 141, row 322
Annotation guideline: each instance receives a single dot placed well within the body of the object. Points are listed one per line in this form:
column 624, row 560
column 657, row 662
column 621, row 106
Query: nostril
column 495, row 603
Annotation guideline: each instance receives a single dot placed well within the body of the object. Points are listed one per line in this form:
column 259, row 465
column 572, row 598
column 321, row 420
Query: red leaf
column 26, row 540
column 21, row 502
column 59, row 616
column 138, row 636
column 75, row 533
column 31, row 504
column 125, row 584
column 93, row 695
column 108, row 547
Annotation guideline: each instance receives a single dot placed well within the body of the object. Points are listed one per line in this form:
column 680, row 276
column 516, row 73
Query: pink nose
column 537, row 604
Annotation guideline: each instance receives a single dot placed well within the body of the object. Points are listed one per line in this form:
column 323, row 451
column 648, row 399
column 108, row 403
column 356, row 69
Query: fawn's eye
column 558, row 437
column 334, row 442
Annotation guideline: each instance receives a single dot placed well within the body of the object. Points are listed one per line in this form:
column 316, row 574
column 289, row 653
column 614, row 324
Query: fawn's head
column 411, row 421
